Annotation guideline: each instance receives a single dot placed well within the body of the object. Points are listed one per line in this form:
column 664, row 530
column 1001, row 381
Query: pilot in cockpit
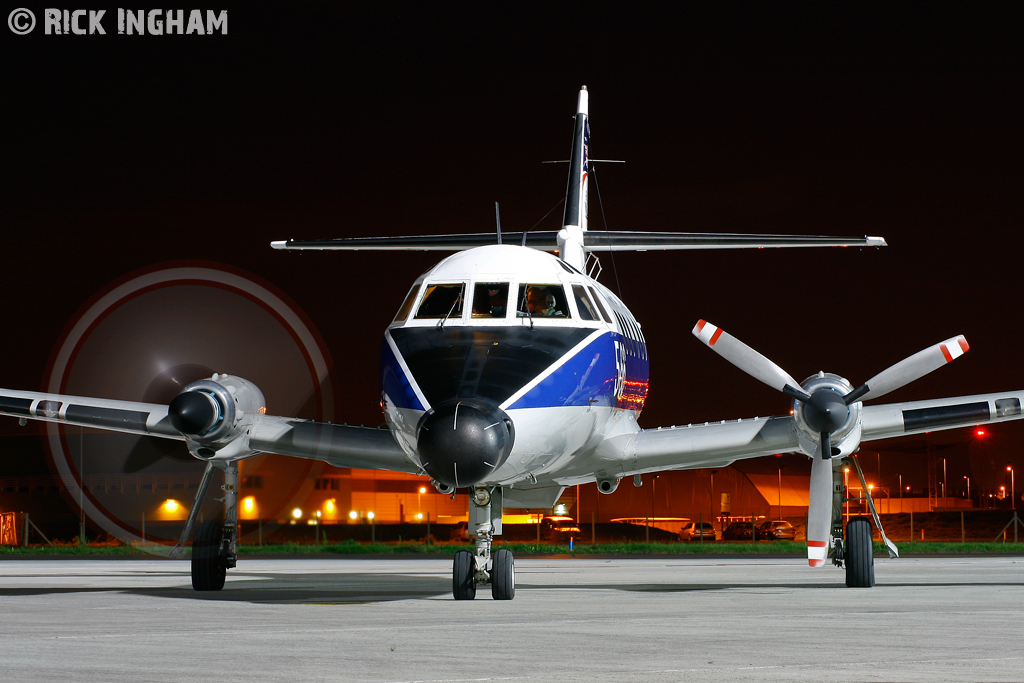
column 542, row 304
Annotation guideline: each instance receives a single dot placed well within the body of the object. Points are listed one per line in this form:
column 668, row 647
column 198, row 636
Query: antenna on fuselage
column 497, row 220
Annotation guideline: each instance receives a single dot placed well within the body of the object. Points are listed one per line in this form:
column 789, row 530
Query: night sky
column 350, row 119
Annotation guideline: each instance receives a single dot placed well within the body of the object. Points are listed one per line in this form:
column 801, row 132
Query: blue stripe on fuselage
column 394, row 381
column 589, row 378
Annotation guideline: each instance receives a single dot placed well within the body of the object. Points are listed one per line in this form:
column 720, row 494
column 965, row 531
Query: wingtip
column 279, row 244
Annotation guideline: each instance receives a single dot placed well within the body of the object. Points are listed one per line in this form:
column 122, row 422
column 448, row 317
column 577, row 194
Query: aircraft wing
column 338, row 445
column 367, row 448
column 718, row 444
column 915, row 417
column 712, row 444
column 118, row 416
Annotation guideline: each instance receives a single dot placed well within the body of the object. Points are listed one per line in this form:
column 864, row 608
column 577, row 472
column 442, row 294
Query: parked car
column 695, row 531
column 737, row 531
column 559, row 529
column 460, row 532
column 776, row 530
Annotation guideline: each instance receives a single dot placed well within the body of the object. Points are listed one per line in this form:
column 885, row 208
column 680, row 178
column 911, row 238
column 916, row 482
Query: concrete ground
column 672, row 619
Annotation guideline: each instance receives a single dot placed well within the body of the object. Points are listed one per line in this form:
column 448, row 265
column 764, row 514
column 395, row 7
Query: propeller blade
column 910, row 369
column 819, row 509
column 747, row 359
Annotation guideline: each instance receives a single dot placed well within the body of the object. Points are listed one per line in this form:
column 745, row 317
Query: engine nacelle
column 607, row 486
column 846, row 439
column 215, row 415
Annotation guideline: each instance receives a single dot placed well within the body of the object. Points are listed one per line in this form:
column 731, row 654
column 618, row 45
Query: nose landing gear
column 482, row 567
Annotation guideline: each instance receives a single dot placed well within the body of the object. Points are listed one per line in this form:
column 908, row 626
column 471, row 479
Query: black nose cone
column 192, row 412
column 462, row 442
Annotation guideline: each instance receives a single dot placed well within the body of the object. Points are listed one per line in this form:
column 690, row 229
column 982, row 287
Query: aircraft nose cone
column 461, row 442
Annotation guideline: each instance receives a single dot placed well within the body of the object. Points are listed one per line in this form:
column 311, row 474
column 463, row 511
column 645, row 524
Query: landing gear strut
column 857, row 552
column 214, row 547
column 481, row 567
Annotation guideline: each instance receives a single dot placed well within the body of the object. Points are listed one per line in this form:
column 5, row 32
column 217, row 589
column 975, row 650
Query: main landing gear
column 856, row 551
column 214, row 547
column 482, row 567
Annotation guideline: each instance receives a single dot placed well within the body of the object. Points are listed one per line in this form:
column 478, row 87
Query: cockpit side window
column 583, row 303
column 403, row 312
column 541, row 301
column 442, row 301
column 490, row 299
column 600, row 305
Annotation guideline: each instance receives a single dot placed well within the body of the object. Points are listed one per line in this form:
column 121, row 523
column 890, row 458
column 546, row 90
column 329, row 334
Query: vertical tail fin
column 574, row 221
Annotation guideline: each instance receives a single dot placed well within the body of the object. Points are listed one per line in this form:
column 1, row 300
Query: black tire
column 464, row 576
column 860, row 555
column 208, row 568
column 503, row 575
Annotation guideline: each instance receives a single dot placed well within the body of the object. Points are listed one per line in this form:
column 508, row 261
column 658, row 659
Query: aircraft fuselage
column 505, row 363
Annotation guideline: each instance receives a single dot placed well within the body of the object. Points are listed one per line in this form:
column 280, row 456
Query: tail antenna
column 497, row 220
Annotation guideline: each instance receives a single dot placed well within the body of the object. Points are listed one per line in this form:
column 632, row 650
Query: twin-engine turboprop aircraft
column 513, row 373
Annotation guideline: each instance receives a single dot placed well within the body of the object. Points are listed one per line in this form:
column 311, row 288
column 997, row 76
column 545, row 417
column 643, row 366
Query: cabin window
column 600, row 305
column 490, row 299
column 403, row 312
column 442, row 301
column 583, row 303
column 541, row 301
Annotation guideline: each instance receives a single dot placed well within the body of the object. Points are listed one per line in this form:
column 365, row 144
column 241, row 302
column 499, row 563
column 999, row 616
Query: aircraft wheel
column 464, row 576
column 208, row 568
column 860, row 557
column 503, row 575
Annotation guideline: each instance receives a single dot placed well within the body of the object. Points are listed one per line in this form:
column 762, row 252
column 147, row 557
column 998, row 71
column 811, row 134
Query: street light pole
column 846, row 492
column 1013, row 490
column 780, row 494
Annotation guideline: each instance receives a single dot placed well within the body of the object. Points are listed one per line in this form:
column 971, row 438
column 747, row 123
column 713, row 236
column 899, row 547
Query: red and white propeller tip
column 743, row 357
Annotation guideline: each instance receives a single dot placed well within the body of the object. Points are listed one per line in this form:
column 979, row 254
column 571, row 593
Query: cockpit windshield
column 406, row 308
column 541, row 301
column 490, row 299
column 442, row 301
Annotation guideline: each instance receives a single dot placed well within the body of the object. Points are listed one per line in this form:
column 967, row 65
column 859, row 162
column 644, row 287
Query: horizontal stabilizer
column 593, row 241
column 543, row 239
column 642, row 241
